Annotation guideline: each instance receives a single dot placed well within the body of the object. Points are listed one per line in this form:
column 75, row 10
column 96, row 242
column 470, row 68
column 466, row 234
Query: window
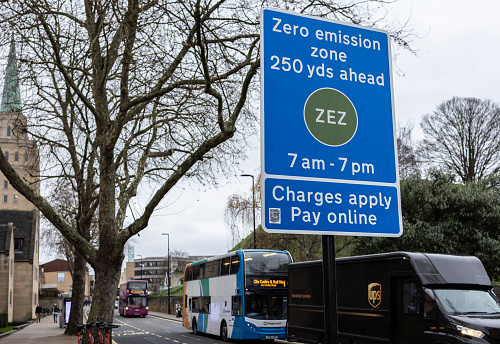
column 410, row 297
column 16, row 156
column 196, row 272
column 8, row 131
column 430, row 306
column 236, row 308
column 7, row 156
column 5, row 184
column 224, row 269
column 25, row 157
column 216, row 268
column 60, row 277
column 16, row 197
column 5, row 198
column 235, row 264
column 208, row 270
column 195, row 304
column 18, row 245
column 201, row 304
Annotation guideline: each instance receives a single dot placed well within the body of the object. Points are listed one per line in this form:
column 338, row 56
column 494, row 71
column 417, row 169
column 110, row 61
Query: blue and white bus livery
column 239, row 295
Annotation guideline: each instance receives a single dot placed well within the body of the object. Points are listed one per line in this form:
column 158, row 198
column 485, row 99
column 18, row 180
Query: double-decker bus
column 133, row 298
column 239, row 295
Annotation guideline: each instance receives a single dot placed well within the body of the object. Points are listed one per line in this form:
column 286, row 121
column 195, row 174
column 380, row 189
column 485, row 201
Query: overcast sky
column 458, row 53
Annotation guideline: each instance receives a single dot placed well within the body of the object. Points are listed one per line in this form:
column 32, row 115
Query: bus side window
column 236, row 308
column 208, row 270
column 206, row 304
column 189, row 304
column 196, row 272
column 224, row 269
column 195, row 305
column 216, row 268
column 202, row 271
column 235, row 264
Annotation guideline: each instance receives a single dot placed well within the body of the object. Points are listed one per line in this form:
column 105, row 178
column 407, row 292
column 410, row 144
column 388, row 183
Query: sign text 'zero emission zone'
column 329, row 163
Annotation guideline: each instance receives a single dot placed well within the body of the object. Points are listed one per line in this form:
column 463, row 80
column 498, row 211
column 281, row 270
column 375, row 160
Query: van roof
column 447, row 269
column 438, row 269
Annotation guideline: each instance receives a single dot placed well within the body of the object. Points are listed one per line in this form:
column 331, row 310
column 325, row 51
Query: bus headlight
column 252, row 326
column 147, row 307
column 465, row 331
column 126, row 308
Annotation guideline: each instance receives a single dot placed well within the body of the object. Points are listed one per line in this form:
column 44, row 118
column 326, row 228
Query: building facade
column 154, row 270
column 7, row 270
column 15, row 210
column 56, row 275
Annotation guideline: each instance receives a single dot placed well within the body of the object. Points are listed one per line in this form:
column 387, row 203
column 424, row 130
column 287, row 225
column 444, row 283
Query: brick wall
column 160, row 303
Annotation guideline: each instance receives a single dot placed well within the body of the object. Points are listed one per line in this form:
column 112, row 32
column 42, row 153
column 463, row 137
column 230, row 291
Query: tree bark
column 76, row 313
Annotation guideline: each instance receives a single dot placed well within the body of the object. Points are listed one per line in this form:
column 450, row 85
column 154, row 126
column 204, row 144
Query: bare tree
column 409, row 164
column 124, row 93
column 179, row 253
column 463, row 136
column 239, row 213
column 63, row 200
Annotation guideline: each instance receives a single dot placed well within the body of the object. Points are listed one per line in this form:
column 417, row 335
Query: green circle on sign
column 330, row 117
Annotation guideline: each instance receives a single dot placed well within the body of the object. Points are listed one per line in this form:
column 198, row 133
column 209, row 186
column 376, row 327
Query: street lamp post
column 141, row 264
column 253, row 206
column 168, row 270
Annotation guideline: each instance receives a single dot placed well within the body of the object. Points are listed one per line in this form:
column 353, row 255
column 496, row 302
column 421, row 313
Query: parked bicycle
column 103, row 332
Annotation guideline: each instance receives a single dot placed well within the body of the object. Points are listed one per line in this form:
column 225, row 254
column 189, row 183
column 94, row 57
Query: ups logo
column 374, row 294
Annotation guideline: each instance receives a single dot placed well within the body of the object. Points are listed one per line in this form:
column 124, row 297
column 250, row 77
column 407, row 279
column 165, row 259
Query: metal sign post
column 330, row 290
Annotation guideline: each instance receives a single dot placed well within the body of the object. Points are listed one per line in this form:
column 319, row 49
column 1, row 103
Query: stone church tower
column 19, row 219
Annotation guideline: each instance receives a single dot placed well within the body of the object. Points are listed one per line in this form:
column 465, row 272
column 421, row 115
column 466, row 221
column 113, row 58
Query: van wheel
column 223, row 331
column 193, row 326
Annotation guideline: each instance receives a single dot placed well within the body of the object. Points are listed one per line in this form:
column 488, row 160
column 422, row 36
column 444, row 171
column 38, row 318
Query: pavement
column 49, row 332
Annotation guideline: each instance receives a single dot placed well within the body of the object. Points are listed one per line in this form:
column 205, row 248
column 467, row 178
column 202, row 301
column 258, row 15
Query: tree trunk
column 107, row 276
column 76, row 313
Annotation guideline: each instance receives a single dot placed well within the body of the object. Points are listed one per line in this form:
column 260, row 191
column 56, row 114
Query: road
column 152, row 329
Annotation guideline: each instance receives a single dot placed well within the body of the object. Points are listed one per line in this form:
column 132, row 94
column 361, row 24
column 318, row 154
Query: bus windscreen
column 266, row 263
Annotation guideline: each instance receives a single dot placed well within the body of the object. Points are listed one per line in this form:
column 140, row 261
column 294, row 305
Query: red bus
column 133, row 298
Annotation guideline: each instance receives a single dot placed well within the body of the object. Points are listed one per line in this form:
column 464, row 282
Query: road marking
column 190, row 337
column 175, row 321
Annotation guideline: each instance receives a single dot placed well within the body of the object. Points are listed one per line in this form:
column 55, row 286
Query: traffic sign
column 327, row 124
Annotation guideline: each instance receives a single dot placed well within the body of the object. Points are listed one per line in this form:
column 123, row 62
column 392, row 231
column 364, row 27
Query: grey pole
column 253, row 207
column 168, row 270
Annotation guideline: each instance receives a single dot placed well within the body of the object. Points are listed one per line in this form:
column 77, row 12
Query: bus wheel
column 223, row 331
column 193, row 325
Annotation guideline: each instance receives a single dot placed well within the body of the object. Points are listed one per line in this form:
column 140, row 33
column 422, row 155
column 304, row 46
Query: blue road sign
column 327, row 124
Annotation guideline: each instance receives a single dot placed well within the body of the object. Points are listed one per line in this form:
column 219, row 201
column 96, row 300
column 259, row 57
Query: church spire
column 11, row 97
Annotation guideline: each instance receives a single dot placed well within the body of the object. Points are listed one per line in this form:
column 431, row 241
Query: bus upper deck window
column 235, row 264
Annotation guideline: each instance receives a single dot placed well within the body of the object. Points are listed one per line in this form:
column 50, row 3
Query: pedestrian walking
column 38, row 312
column 55, row 311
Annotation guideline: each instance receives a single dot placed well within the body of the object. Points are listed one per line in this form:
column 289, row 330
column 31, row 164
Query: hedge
column 3, row 320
